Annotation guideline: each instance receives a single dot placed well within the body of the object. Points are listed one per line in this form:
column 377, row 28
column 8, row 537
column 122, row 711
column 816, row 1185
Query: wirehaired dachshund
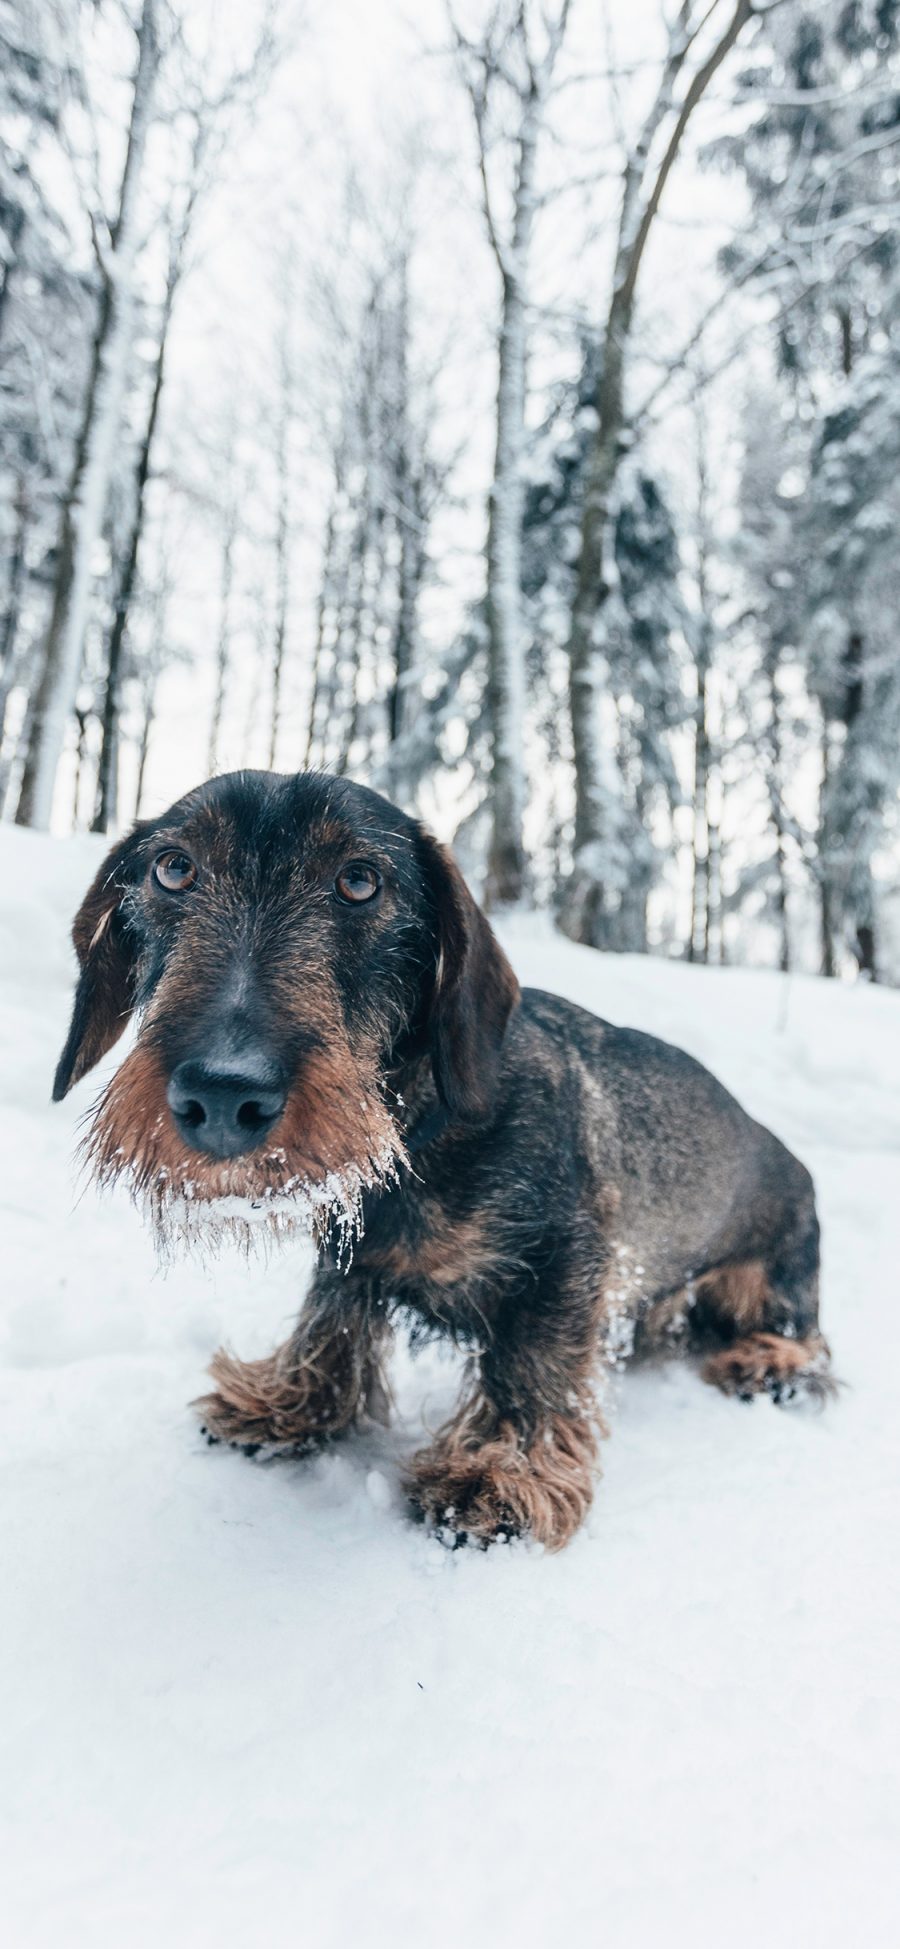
column 331, row 1035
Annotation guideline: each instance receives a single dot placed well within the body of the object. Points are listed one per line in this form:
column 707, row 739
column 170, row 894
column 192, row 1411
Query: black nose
column 225, row 1110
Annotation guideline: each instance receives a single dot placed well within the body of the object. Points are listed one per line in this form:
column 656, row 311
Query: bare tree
column 776, row 785
column 514, row 57
column 224, row 631
column 210, row 117
column 702, row 639
column 84, row 508
column 107, row 770
column 149, row 671
column 386, row 486
column 325, row 609
column 648, row 165
column 16, row 577
column 284, row 419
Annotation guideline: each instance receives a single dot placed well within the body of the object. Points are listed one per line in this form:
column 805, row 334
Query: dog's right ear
column 104, row 997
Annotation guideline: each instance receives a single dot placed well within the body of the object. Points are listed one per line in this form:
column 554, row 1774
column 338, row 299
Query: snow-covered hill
column 250, row 1703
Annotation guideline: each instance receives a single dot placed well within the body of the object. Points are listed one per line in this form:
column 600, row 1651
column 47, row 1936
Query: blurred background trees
column 502, row 408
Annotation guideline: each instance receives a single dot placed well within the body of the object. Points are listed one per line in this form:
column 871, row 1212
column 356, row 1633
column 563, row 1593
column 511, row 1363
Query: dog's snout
column 225, row 1109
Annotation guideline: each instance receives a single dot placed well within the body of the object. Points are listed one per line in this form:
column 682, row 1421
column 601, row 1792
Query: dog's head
column 289, row 945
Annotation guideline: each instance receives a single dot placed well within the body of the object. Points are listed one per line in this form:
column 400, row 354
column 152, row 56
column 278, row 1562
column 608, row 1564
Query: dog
column 330, row 1033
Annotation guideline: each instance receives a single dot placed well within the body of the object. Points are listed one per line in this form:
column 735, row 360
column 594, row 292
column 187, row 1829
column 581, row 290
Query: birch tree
column 385, row 488
column 514, row 58
column 284, row 419
column 701, row 636
column 84, row 508
column 107, row 781
column 210, row 115
column 684, row 80
column 225, row 627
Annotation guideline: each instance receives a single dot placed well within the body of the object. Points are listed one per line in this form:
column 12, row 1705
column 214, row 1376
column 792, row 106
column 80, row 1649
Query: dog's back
column 694, row 1180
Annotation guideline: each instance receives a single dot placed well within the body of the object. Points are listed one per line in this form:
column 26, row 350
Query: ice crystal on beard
column 184, row 1221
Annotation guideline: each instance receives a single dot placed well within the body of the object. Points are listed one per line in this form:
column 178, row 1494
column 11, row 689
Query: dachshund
column 330, row 1036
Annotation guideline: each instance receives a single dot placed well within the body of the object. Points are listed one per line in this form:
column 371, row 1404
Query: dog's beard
column 254, row 1216
column 314, row 1187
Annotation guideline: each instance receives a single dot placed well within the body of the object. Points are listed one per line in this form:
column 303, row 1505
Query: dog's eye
column 357, row 882
column 174, row 871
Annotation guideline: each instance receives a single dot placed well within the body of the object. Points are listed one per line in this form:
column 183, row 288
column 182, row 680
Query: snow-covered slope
column 250, row 1703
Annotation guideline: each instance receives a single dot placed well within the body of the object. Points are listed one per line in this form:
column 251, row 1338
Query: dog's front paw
column 461, row 1504
column 223, row 1421
column 494, row 1490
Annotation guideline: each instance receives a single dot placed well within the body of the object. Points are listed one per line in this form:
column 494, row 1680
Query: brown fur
column 450, row 1252
column 313, row 1388
column 331, row 1123
column 562, row 1182
column 767, row 1363
column 727, row 1300
column 479, row 1480
column 740, row 1296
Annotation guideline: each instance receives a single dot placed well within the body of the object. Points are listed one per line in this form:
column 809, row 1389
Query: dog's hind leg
column 313, row 1387
column 766, row 1310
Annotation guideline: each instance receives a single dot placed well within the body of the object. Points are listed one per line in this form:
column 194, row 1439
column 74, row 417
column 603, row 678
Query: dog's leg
column 520, row 1454
column 769, row 1363
column 312, row 1388
column 767, row 1311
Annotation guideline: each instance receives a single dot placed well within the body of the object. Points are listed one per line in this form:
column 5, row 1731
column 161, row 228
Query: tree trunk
column 106, row 783
column 530, row 80
column 505, row 882
column 411, row 516
column 363, row 620
column 776, row 800
column 82, row 720
column 406, row 630
column 506, row 649
column 826, row 929
column 597, row 787
column 323, row 611
column 282, row 535
column 10, row 627
column 85, row 505
column 10, row 261
column 864, row 949
column 15, row 578
column 223, row 640
column 714, row 904
column 282, row 579
column 781, row 903
column 862, row 896
column 147, row 718
column 698, row 945
column 149, row 687
column 597, row 793
column 823, row 853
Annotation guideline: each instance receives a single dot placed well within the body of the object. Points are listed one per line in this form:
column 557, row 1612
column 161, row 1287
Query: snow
column 246, row 1701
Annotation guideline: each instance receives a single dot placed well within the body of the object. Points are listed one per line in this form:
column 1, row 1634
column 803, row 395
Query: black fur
column 564, row 1174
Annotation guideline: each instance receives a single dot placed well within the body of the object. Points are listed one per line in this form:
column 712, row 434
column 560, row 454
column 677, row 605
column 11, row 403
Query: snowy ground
column 250, row 1703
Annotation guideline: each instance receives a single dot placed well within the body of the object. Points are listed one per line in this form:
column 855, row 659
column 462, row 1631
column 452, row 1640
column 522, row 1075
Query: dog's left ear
column 475, row 992
column 104, row 996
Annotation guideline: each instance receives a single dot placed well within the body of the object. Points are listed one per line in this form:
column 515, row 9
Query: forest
column 494, row 401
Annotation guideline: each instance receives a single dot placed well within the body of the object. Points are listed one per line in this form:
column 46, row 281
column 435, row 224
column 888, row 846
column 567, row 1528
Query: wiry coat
column 328, row 1024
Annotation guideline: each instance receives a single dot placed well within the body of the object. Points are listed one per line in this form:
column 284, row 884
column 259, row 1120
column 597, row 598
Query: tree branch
column 700, row 81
